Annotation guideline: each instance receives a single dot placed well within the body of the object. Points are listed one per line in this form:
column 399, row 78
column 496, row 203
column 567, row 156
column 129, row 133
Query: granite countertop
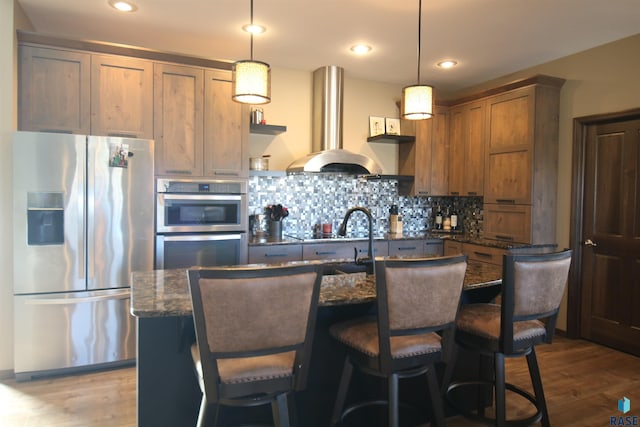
column 165, row 293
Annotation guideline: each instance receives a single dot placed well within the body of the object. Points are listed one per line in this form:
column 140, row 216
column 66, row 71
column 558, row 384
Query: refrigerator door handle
column 65, row 301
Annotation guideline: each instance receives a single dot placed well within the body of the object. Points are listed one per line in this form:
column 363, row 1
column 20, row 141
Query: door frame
column 580, row 125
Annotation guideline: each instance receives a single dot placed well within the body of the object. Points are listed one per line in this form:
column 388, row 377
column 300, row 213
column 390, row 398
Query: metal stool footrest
column 356, row 406
column 489, row 420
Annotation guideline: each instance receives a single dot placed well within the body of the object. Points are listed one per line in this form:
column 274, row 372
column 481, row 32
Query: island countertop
column 165, row 293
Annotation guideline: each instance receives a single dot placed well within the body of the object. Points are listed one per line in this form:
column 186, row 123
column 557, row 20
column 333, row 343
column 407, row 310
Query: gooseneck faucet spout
column 342, row 231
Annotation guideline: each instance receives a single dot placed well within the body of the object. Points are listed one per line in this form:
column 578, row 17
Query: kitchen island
column 167, row 389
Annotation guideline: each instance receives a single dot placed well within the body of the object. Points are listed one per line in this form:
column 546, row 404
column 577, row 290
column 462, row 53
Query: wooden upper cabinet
column 54, row 90
column 121, row 96
column 510, row 139
column 466, row 149
column 178, row 119
column 226, row 129
column 427, row 159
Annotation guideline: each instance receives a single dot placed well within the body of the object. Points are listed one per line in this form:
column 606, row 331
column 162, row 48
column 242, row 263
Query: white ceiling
column 489, row 38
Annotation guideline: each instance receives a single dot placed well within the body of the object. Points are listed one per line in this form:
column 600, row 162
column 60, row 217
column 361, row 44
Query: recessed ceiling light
column 360, row 49
column 123, row 6
column 449, row 63
column 254, row 28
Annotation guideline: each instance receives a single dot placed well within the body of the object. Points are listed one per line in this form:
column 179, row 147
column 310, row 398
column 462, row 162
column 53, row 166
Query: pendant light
column 417, row 100
column 251, row 79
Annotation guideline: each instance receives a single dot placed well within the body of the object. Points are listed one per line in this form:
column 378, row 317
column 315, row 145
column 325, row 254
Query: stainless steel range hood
column 328, row 155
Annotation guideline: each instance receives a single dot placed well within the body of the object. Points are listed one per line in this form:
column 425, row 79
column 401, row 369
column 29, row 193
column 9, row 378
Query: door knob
column 590, row 242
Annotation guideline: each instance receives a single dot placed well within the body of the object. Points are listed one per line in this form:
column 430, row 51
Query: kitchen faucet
column 342, row 231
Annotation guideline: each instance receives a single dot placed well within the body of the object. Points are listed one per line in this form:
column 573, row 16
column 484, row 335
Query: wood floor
column 583, row 382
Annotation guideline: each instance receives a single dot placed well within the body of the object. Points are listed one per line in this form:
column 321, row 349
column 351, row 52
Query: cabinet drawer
column 339, row 250
column 452, row 248
column 406, row 248
column 483, row 253
column 433, row 247
column 275, row 253
column 510, row 223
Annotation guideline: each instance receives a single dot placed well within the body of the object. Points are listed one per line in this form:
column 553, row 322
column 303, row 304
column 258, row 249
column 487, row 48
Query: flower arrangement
column 276, row 212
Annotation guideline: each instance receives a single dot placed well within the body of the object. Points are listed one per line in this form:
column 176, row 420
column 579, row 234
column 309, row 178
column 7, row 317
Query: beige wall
column 600, row 80
column 7, row 124
column 291, row 92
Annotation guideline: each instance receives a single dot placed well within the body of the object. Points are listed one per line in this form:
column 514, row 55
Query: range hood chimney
column 328, row 155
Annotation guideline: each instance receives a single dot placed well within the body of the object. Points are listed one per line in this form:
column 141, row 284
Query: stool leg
column 536, row 380
column 394, row 418
column 280, row 411
column 347, row 370
column 501, row 415
column 202, row 415
column 449, row 356
column 436, row 399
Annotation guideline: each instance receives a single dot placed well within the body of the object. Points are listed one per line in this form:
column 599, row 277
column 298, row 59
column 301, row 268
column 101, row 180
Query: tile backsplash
column 324, row 198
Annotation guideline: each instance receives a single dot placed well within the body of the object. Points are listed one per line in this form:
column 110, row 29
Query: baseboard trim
column 7, row 374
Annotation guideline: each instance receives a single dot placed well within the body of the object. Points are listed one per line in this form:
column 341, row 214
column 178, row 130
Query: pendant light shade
column 417, row 100
column 251, row 79
column 251, row 82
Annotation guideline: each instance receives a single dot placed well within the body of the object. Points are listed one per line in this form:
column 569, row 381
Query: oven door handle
column 202, row 237
column 200, row 197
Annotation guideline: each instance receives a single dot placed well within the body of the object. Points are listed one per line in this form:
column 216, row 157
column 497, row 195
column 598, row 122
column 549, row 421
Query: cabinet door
column 511, row 223
column 427, row 158
column 121, row 97
column 474, row 149
column 54, row 90
column 452, row 247
column 406, row 248
column 487, row 254
column 178, row 119
column 510, row 133
column 226, row 129
column 466, row 151
column 268, row 254
column 456, row 151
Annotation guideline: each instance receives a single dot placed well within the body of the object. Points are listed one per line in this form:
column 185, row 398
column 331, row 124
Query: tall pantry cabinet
column 521, row 163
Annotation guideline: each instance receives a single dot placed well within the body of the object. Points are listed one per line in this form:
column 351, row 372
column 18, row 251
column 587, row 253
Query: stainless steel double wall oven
column 200, row 223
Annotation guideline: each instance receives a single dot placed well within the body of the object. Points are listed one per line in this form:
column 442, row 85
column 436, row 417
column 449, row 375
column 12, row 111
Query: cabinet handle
column 483, row 254
column 325, row 253
column 56, row 131
column 472, row 193
column 454, row 193
column 509, row 238
column 226, row 173
column 510, row 201
column 184, row 172
column 274, row 255
column 407, row 248
column 123, row 135
column 423, row 192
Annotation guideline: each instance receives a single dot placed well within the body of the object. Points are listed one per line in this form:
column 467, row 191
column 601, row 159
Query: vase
column 275, row 230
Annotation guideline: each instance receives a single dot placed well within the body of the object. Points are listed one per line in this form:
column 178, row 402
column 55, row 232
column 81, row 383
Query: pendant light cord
column 251, row 33
column 419, row 34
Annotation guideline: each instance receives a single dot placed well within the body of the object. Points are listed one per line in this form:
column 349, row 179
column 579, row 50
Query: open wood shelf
column 391, row 139
column 267, row 129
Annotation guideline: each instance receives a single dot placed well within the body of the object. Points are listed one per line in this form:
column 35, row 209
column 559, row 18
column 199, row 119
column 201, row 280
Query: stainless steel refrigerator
column 83, row 211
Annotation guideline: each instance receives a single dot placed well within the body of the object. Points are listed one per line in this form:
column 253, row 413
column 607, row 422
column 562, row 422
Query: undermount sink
column 335, row 268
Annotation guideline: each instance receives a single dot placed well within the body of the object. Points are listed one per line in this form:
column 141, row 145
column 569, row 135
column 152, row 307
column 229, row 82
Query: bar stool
column 254, row 330
column 416, row 298
column 532, row 289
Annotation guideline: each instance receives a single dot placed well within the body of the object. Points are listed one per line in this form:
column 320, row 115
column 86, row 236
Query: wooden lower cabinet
column 512, row 223
column 268, row 254
column 343, row 250
column 483, row 253
column 452, row 247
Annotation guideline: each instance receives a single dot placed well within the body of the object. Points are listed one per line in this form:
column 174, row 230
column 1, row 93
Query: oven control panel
column 210, row 186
